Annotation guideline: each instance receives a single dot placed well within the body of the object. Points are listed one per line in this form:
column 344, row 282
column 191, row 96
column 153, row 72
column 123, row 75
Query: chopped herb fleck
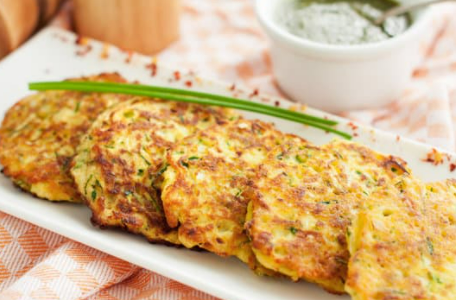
column 78, row 105
column 97, row 183
column 393, row 169
column 398, row 292
column 325, row 202
column 87, row 182
column 193, row 158
column 299, row 159
column 238, row 194
column 145, row 159
column 140, row 172
column 110, row 145
column 155, row 204
column 341, row 261
column 293, row 230
column 129, row 114
column 359, row 172
column 162, row 170
column 435, row 278
column 338, row 155
column 94, row 194
column 365, row 193
column 77, row 166
column 280, row 156
column 185, row 164
column 430, row 246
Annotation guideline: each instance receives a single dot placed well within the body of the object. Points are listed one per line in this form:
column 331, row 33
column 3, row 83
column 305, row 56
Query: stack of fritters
column 339, row 215
column 302, row 204
column 206, row 181
column 123, row 153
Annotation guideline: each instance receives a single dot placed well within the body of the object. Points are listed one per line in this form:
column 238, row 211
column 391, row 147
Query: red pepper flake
column 177, row 75
column 84, row 51
column 398, row 138
column 452, row 167
column 254, row 93
column 153, row 67
column 277, row 103
column 82, row 41
column 129, row 57
column 233, row 87
column 434, row 157
column 188, row 83
column 352, row 126
column 105, row 52
column 355, row 134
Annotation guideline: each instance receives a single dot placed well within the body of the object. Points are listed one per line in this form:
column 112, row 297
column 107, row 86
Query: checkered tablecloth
column 220, row 38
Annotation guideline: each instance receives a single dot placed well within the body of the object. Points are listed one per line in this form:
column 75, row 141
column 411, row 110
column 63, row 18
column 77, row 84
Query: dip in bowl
column 329, row 54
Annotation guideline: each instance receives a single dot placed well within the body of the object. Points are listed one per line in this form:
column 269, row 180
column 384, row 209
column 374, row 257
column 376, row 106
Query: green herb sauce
column 341, row 22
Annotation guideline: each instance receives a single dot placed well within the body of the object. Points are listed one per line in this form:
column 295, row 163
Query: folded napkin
column 219, row 39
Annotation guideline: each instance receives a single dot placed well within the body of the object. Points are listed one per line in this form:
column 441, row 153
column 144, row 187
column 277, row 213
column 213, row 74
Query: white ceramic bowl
column 338, row 78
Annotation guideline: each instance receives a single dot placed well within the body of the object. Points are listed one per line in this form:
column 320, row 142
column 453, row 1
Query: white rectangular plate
column 52, row 55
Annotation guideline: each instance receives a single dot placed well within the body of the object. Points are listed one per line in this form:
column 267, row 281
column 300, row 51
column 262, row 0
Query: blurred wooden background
column 20, row 18
column 145, row 26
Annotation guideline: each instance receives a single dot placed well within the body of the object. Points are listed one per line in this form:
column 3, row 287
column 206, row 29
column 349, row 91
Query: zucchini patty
column 40, row 133
column 205, row 185
column 302, row 203
column 122, row 155
column 403, row 243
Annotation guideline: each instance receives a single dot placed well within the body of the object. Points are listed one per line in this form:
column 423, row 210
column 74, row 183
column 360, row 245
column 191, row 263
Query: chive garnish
column 192, row 97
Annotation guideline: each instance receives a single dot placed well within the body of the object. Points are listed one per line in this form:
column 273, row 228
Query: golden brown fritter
column 204, row 185
column 403, row 243
column 121, row 156
column 302, row 202
column 40, row 133
column 440, row 210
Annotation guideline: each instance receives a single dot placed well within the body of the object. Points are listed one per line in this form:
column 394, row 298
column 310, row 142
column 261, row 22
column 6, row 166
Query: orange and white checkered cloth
column 219, row 39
